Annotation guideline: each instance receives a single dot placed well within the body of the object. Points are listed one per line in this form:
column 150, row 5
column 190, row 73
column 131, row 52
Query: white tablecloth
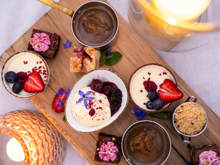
column 200, row 68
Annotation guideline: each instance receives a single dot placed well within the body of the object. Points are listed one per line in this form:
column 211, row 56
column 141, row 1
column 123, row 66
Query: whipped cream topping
column 108, row 152
column 209, row 158
column 90, row 108
column 40, row 42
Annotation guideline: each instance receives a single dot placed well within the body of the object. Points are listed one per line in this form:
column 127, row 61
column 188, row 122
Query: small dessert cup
column 158, row 146
column 186, row 137
column 132, row 83
column 25, row 62
column 103, row 75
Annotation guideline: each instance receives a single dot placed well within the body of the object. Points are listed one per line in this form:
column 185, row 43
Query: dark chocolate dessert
column 197, row 151
column 113, row 93
column 95, row 24
column 44, row 43
column 108, row 148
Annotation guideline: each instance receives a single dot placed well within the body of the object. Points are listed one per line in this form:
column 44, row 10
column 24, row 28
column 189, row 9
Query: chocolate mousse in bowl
column 95, row 101
column 153, row 87
column 25, row 74
column 146, row 142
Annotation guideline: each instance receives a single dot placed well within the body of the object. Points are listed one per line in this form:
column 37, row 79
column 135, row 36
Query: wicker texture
column 41, row 142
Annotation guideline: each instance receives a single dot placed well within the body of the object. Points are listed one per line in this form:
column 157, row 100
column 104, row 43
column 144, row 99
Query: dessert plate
column 103, row 75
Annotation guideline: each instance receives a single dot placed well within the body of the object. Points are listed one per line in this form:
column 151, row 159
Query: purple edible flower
column 60, row 92
column 85, row 97
column 108, row 53
column 67, row 93
column 139, row 113
column 59, row 104
column 67, row 44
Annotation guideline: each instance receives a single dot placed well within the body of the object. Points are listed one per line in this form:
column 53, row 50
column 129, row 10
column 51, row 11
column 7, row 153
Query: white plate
column 86, row 80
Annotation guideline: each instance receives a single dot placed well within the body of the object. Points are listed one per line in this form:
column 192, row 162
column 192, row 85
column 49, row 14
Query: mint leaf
column 113, row 58
column 161, row 115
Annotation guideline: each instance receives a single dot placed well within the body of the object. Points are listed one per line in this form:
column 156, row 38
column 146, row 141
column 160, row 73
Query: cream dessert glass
column 152, row 72
column 25, row 62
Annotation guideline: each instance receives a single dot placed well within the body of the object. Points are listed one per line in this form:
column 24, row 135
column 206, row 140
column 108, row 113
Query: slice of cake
column 207, row 154
column 44, row 43
column 108, row 148
column 84, row 59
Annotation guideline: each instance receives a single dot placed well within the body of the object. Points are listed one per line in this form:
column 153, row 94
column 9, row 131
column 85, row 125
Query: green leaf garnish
column 161, row 115
column 113, row 58
column 103, row 58
column 109, row 58
column 64, row 118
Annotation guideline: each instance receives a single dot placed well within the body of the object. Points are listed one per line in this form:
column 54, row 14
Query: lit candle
column 187, row 10
column 14, row 150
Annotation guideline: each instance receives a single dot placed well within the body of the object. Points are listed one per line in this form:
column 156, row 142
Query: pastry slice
column 84, row 59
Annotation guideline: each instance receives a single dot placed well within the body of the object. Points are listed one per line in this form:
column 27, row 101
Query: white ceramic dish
column 103, row 75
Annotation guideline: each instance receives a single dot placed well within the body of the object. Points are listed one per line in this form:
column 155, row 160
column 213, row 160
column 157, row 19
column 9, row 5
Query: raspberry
column 150, row 85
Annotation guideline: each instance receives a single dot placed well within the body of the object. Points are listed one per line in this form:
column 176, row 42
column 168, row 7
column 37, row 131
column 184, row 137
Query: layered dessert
column 108, row 148
column 206, row 155
column 26, row 73
column 190, row 119
column 44, row 43
column 94, row 105
column 152, row 87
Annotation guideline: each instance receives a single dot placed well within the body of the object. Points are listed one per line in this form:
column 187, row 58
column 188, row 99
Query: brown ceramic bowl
column 130, row 83
column 158, row 143
column 6, row 68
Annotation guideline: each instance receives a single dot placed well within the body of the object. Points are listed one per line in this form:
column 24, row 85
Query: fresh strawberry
column 59, row 100
column 169, row 92
column 34, row 83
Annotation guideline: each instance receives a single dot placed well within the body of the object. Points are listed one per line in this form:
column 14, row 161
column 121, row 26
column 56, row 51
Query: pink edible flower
column 40, row 42
column 108, row 151
column 209, row 158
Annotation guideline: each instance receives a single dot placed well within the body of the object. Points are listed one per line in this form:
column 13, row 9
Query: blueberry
column 149, row 105
column 17, row 87
column 152, row 95
column 11, row 77
column 158, row 104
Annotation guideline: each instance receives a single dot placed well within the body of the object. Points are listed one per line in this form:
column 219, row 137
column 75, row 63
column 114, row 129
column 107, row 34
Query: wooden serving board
column 135, row 53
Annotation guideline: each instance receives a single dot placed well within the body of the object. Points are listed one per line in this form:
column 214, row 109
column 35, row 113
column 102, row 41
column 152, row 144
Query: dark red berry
column 92, row 112
column 97, row 85
column 108, row 88
column 22, row 77
column 150, row 85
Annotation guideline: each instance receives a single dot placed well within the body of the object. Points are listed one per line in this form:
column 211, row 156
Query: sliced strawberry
column 34, row 83
column 169, row 92
column 59, row 100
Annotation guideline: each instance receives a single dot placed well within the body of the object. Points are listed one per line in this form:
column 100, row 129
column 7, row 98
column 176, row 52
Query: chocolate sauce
column 95, row 24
